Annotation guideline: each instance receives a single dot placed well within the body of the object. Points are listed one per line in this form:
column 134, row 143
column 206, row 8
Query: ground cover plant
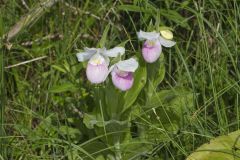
column 124, row 79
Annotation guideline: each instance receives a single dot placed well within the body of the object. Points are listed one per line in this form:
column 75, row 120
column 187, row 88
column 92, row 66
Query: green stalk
column 118, row 154
column 2, row 99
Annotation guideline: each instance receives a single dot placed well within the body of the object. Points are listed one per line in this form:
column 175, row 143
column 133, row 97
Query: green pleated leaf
column 225, row 147
column 113, row 100
column 156, row 73
column 139, row 82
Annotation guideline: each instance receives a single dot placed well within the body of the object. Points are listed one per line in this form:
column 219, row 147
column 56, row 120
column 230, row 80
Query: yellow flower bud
column 167, row 34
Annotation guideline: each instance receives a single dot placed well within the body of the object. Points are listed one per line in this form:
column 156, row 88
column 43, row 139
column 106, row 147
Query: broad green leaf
column 113, row 99
column 139, row 82
column 112, row 129
column 136, row 148
column 160, row 73
column 225, row 147
column 63, row 88
column 156, row 73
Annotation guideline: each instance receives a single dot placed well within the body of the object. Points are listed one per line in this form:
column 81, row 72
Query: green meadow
column 184, row 105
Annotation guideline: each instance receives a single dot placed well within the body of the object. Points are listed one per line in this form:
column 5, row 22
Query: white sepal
column 114, row 52
column 147, row 35
column 129, row 65
column 90, row 50
column 83, row 56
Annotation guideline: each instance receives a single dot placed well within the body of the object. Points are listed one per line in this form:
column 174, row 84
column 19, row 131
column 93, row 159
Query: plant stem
column 2, row 99
column 117, row 150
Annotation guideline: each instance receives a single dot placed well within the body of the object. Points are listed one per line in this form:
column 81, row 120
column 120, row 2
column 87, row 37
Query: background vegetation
column 44, row 91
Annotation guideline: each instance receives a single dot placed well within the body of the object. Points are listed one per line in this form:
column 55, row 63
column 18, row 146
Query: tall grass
column 2, row 102
column 2, row 90
column 42, row 122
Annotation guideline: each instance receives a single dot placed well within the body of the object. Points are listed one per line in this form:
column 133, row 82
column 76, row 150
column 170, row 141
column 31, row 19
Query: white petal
column 114, row 52
column 95, row 50
column 98, row 59
column 166, row 43
column 129, row 65
column 91, row 50
column 83, row 56
column 147, row 35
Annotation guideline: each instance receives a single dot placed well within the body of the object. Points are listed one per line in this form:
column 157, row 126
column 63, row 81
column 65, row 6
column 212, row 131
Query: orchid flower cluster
column 98, row 66
column 122, row 72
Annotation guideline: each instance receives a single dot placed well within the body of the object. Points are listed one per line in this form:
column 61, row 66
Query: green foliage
column 131, row 95
column 220, row 148
column 190, row 95
column 103, row 40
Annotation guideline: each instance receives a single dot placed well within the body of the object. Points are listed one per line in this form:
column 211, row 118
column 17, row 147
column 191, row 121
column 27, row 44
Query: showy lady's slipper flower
column 122, row 73
column 97, row 67
column 152, row 47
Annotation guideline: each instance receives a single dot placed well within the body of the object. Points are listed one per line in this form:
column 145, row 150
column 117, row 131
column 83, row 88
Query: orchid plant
column 115, row 107
column 152, row 47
